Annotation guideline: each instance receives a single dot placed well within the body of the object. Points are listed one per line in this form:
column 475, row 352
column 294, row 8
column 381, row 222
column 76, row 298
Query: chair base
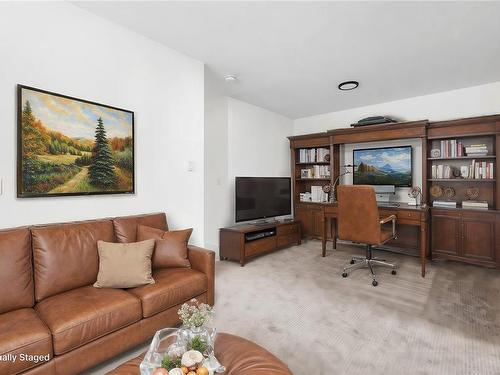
column 358, row 262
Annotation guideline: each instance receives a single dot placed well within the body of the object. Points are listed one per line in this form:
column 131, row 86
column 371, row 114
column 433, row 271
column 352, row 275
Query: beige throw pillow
column 124, row 265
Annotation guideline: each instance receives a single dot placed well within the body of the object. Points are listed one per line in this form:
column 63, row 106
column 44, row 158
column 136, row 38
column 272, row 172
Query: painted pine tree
column 32, row 138
column 101, row 171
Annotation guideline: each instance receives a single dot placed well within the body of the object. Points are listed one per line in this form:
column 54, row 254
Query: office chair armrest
column 387, row 219
column 390, row 218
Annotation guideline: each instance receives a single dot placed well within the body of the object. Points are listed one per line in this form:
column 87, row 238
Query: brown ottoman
column 238, row 355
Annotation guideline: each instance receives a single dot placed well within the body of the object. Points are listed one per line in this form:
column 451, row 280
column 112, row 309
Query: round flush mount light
column 230, row 78
column 348, row 85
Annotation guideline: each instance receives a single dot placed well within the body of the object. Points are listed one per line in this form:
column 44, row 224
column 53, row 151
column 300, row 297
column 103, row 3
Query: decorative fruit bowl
column 172, row 352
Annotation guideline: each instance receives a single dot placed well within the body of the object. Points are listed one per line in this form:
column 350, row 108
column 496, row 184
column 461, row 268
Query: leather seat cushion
column 238, row 355
column 82, row 315
column 172, row 286
column 22, row 332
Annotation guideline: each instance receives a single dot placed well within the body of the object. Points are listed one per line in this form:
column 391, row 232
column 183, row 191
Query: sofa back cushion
column 126, row 226
column 65, row 255
column 16, row 273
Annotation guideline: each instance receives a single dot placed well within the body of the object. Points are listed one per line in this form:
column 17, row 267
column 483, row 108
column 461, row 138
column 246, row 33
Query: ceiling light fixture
column 230, row 78
column 348, row 85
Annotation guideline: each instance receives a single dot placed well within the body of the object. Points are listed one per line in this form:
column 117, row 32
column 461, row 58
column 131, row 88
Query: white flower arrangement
column 195, row 314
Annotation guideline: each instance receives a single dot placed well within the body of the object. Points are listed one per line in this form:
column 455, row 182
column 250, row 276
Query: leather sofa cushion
column 22, row 332
column 82, row 315
column 65, row 255
column 15, row 270
column 172, row 286
column 126, row 226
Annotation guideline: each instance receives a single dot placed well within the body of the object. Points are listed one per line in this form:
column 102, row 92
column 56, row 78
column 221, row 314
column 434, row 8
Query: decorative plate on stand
column 449, row 192
column 435, row 153
column 436, row 191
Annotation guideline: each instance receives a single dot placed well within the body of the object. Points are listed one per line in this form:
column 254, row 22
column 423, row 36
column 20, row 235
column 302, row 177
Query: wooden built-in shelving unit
column 463, row 234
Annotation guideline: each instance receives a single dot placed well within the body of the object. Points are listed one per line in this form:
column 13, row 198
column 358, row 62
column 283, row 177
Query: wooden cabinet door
column 446, row 232
column 311, row 216
column 478, row 236
column 304, row 214
column 317, row 218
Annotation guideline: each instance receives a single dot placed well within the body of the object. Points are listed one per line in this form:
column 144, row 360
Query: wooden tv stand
column 241, row 242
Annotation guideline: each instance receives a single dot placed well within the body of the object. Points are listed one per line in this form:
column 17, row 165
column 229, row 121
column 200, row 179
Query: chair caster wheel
column 344, row 274
column 393, row 272
column 352, row 261
column 374, row 283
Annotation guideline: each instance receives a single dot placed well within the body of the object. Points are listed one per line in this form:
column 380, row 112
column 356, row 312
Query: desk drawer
column 260, row 246
column 288, row 229
column 288, row 239
column 409, row 215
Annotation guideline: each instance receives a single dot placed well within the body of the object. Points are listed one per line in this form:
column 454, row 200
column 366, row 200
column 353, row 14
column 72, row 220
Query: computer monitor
column 383, row 166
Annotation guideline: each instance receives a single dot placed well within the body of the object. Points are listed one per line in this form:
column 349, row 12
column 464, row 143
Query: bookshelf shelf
column 465, row 157
column 462, row 179
column 315, row 163
column 314, row 179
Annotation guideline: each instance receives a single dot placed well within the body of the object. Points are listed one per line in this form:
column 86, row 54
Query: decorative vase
column 165, row 342
column 206, row 335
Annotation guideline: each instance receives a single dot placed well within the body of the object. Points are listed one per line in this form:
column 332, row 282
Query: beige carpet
column 296, row 304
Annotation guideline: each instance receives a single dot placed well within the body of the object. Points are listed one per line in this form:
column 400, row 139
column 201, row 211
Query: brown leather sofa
column 48, row 304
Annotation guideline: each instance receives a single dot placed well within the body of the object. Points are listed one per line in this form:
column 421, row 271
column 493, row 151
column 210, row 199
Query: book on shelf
column 316, row 195
column 475, row 204
column 316, row 171
column 313, row 155
column 480, row 170
column 477, row 150
column 438, row 203
column 451, row 148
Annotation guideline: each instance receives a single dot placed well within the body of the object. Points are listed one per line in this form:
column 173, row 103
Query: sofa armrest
column 203, row 260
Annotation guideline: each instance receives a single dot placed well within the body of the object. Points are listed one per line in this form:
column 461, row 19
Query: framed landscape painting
column 69, row 146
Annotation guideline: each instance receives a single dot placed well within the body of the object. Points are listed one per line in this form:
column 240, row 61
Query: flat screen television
column 383, row 166
column 262, row 197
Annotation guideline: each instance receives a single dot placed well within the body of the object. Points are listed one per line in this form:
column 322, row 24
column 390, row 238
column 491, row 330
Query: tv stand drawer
column 288, row 239
column 288, row 229
column 260, row 246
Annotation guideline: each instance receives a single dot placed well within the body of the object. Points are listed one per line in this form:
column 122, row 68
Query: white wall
column 241, row 140
column 216, row 187
column 257, row 144
column 59, row 47
column 467, row 102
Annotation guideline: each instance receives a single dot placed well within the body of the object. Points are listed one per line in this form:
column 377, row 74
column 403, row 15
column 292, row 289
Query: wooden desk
column 417, row 216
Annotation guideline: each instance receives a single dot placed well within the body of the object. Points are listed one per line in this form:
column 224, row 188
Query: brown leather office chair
column 359, row 221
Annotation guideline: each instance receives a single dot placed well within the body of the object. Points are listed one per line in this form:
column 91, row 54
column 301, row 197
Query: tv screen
column 262, row 197
column 383, row 166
